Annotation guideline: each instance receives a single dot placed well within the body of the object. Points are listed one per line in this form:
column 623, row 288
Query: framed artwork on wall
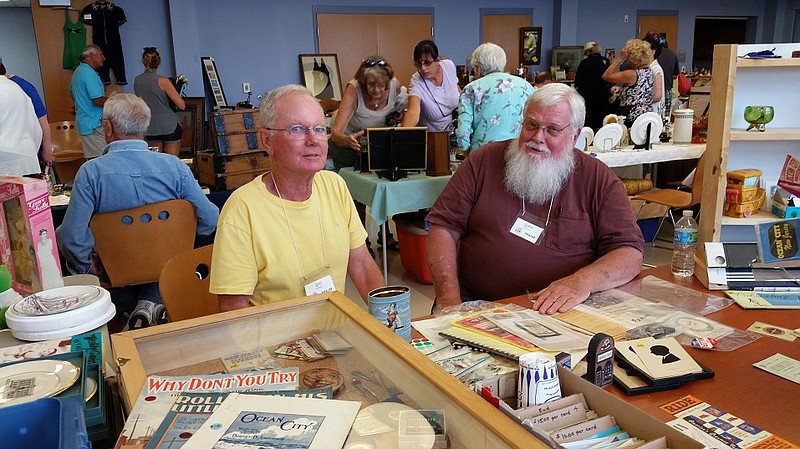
column 214, row 83
column 191, row 120
column 530, row 48
column 321, row 74
column 567, row 59
column 611, row 53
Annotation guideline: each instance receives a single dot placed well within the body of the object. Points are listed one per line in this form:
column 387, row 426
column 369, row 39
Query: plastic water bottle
column 685, row 244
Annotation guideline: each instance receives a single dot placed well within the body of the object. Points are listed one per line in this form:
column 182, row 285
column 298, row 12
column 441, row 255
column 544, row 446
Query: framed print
column 567, row 59
column 321, row 75
column 530, row 48
column 611, row 53
column 191, row 120
column 214, row 83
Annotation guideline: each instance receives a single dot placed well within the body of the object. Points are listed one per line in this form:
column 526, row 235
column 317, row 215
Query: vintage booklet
column 249, row 421
column 191, row 410
column 159, row 394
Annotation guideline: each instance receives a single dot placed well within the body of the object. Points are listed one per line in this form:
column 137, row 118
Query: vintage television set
column 393, row 152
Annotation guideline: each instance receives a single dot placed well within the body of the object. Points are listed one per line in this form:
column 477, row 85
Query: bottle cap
column 688, row 213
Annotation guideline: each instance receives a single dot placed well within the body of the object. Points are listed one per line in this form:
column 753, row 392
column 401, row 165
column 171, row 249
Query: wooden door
column 503, row 30
column 355, row 36
column 666, row 25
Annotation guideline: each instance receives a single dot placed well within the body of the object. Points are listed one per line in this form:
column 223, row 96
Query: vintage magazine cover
column 191, row 410
column 250, row 421
column 159, row 394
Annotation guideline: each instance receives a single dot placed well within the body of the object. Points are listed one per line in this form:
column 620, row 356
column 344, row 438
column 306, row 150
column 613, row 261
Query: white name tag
column 526, row 230
column 321, row 285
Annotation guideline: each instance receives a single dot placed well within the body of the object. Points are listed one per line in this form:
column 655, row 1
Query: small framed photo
column 611, row 53
column 212, row 77
column 321, row 75
column 191, row 120
column 530, row 45
column 567, row 59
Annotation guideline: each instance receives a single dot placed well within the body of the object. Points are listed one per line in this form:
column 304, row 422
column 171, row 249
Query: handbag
column 684, row 85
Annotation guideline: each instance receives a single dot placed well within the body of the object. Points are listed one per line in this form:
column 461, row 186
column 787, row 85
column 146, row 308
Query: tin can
column 682, row 131
column 538, row 379
column 391, row 306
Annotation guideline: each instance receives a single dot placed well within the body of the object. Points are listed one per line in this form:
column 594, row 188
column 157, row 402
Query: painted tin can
column 391, row 306
column 538, row 379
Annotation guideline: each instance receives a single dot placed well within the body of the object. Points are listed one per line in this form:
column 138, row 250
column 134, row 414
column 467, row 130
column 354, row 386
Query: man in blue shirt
column 38, row 107
column 128, row 175
column 89, row 96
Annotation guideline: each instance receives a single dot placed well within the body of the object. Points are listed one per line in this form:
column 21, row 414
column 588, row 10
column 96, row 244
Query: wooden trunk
column 230, row 172
column 236, row 131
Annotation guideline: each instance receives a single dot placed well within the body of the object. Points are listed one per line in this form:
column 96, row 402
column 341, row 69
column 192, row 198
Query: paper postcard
column 778, row 240
column 659, row 359
column 535, row 410
column 191, row 410
column 586, row 429
column 544, row 331
column 772, row 331
column 765, row 300
column 780, row 365
column 247, row 421
column 159, row 394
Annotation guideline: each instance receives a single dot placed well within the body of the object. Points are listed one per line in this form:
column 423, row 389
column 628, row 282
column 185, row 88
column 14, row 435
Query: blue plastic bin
column 47, row 423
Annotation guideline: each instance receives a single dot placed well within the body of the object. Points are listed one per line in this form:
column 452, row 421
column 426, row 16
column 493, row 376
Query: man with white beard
column 534, row 215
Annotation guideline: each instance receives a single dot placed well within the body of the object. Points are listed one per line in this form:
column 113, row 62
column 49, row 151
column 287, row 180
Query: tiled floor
column 422, row 295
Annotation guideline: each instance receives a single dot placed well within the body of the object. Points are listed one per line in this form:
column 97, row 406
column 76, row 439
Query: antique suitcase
column 230, row 172
column 236, row 131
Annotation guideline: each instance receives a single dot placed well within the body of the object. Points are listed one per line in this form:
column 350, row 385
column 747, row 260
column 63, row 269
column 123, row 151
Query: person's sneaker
column 146, row 314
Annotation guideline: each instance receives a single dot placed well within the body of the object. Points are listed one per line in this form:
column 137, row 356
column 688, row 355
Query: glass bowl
column 758, row 116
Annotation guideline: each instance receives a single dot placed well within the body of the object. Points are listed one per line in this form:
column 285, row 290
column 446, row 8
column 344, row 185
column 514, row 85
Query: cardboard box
column 747, row 208
column 780, row 205
column 27, row 238
column 740, row 179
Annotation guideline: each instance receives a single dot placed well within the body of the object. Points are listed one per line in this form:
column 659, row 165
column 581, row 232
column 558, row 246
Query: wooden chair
column 184, row 285
column 675, row 199
column 135, row 244
column 67, row 150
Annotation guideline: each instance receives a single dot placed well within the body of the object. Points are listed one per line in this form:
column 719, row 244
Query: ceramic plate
column 608, row 137
column 28, row 381
column 89, row 389
column 58, row 300
column 639, row 129
column 102, row 318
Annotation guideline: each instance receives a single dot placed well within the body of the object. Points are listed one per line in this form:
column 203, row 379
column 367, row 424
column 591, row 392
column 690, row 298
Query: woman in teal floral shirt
column 490, row 108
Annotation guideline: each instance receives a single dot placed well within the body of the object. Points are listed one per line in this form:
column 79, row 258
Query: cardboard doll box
column 27, row 238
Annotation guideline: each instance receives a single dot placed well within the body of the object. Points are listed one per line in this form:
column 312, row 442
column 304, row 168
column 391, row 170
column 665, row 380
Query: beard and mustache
column 536, row 180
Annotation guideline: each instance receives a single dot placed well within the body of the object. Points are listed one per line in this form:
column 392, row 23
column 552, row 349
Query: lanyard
column 294, row 242
column 549, row 209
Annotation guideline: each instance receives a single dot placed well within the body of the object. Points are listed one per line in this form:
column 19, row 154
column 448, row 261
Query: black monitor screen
column 408, row 147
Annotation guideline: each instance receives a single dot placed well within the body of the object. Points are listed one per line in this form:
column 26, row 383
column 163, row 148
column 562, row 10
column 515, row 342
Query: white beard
column 536, row 181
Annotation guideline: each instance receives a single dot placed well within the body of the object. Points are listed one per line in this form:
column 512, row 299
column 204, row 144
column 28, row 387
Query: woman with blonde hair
column 165, row 131
column 638, row 81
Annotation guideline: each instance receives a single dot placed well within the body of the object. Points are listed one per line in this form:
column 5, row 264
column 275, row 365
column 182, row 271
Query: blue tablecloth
column 386, row 198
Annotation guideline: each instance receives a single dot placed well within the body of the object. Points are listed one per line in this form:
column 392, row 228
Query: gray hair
column 89, row 50
column 270, row 102
column 490, row 57
column 129, row 114
column 554, row 93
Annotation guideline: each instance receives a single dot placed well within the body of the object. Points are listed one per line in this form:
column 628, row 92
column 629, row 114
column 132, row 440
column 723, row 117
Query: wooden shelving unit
column 736, row 83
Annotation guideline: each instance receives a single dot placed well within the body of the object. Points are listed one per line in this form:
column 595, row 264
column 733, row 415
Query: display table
column 658, row 153
column 739, row 388
column 386, row 198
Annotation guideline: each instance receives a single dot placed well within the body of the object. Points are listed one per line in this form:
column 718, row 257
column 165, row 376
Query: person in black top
column 589, row 83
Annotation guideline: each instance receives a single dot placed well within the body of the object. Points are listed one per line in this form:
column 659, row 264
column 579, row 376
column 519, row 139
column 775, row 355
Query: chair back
column 67, row 150
column 184, row 283
column 697, row 182
column 135, row 244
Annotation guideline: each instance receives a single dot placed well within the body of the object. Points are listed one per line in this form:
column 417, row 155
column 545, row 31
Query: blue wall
column 18, row 45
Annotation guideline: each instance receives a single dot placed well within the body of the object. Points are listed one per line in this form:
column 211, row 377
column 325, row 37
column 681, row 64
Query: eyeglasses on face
column 419, row 64
column 533, row 127
column 372, row 63
column 299, row 131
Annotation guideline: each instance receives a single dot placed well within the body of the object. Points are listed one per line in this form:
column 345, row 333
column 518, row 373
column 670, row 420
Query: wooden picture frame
column 191, row 120
column 320, row 73
column 567, row 59
column 214, row 83
column 530, row 45
column 611, row 53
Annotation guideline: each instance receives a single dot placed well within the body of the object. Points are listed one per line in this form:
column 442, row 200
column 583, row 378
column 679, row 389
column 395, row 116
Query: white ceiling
column 15, row 4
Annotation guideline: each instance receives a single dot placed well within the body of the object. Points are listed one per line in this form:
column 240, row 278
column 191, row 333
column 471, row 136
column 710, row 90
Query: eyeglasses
column 371, row 63
column 419, row 64
column 534, row 128
column 299, row 131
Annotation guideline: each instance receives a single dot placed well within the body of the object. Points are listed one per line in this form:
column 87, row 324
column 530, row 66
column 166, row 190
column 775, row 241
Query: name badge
column 321, row 285
column 527, row 230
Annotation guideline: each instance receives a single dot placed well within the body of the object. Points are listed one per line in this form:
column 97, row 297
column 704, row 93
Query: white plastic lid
column 688, row 213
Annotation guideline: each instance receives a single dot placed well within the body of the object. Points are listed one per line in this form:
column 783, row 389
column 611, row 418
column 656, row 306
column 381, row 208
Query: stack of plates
column 27, row 381
column 60, row 312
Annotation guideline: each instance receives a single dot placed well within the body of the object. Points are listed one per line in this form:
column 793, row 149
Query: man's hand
column 560, row 296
